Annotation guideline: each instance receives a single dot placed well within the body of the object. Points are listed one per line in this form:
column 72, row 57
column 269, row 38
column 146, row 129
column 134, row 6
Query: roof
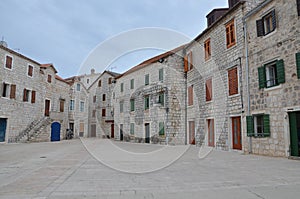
column 237, row 5
column 60, row 78
column 48, row 66
column 18, row 54
column 152, row 60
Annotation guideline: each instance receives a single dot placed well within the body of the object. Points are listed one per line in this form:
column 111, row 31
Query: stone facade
column 152, row 95
column 279, row 100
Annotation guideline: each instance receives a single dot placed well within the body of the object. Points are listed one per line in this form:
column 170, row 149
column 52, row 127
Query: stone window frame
column 264, row 74
column 12, row 62
column 207, row 49
column 188, row 62
column 230, row 33
column 30, row 72
column 8, row 90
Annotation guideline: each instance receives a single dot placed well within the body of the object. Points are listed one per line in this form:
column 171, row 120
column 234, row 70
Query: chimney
column 232, row 3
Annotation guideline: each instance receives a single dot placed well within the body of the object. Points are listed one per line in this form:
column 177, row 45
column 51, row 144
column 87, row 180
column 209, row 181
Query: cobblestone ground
column 67, row 170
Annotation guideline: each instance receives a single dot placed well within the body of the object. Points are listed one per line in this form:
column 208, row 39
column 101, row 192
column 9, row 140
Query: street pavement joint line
column 256, row 194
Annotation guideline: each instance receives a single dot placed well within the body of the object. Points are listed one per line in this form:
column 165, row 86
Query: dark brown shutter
column 185, row 64
column 260, row 28
column 3, row 89
column 24, row 95
column 191, row 60
column 8, row 62
column 30, row 69
column 190, row 96
column 32, row 96
column 233, row 81
column 208, row 89
column 298, row 7
column 13, row 91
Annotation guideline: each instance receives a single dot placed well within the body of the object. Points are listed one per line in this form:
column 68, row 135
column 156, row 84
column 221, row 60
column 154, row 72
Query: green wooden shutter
column 298, row 64
column 294, row 150
column 280, row 71
column 267, row 130
column 250, row 126
column 262, row 77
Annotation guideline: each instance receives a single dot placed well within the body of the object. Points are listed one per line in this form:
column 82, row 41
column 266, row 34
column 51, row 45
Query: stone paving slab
column 67, row 170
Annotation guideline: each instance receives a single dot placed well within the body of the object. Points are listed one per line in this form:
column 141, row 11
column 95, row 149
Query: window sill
column 234, row 95
column 269, row 34
column 273, row 88
column 209, row 102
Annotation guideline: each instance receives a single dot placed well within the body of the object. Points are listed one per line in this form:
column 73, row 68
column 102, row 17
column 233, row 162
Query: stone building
column 273, row 63
column 149, row 101
column 32, row 99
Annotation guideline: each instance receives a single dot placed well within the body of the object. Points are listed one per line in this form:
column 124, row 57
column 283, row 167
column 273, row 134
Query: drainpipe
column 247, row 78
column 185, row 99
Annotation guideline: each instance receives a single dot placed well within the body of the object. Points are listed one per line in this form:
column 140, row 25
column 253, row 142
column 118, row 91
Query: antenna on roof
column 111, row 68
column 3, row 43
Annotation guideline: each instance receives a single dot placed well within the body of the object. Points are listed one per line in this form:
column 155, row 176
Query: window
column 9, row 90
column 33, row 93
column 72, row 104
column 26, row 95
column 161, row 129
column 132, row 84
column 103, row 112
column 94, row 98
column 147, row 102
column 81, row 106
column 208, row 89
column 161, row 99
column 103, row 97
column 267, row 24
column 132, row 108
column 131, row 128
column 78, row 87
column 147, row 79
column 30, row 71
column 109, row 80
column 188, row 62
column 94, row 113
column 8, row 62
column 298, row 64
column 99, row 83
column 122, row 87
column 271, row 74
column 87, row 81
column 211, row 132
column 207, row 49
column 258, row 125
column 161, row 75
column 121, row 107
column 190, row 95
column 61, row 105
column 49, row 79
column 233, row 81
column 230, row 34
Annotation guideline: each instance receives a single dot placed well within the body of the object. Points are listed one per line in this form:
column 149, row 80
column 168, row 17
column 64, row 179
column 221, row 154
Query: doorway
column 3, row 123
column 93, row 130
column 121, row 132
column 55, row 131
column 147, row 133
column 294, row 120
column 112, row 131
column 236, row 133
column 192, row 132
column 211, row 132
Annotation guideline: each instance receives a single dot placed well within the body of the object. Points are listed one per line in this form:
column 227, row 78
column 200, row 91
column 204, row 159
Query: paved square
column 67, row 170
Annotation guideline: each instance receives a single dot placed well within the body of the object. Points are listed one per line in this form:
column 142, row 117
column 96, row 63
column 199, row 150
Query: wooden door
column 236, row 133
column 294, row 120
column 192, row 132
column 211, row 132
column 147, row 133
column 47, row 107
column 112, row 131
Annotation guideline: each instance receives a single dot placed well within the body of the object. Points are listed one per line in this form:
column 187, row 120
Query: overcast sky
column 64, row 32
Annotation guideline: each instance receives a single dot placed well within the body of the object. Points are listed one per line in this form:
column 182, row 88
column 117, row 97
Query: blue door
column 55, row 131
column 2, row 129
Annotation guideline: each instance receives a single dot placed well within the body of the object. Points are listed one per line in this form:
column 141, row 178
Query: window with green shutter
column 147, row 79
column 271, row 74
column 298, row 64
column 132, row 84
column 161, row 99
column 132, row 108
column 161, row 128
column 161, row 75
column 122, row 87
column 258, row 125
